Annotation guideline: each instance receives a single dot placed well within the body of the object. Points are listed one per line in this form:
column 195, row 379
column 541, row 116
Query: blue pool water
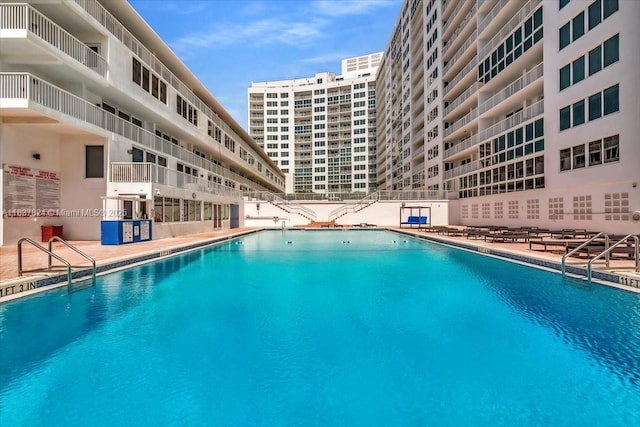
column 316, row 328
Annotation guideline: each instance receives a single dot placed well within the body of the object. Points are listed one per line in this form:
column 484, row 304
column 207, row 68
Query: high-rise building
column 527, row 110
column 320, row 130
column 99, row 119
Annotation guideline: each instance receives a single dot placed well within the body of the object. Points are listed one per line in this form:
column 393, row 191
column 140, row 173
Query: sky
column 228, row 44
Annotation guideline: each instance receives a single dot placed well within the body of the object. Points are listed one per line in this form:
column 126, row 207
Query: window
column 595, row 153
column 595, row 13
column 579, row 159
column 578, row 113
column 595, row 60
column 565, row 35
column 145, row 79
column 611, row 149
column 565, row 118
column 137, row 72
column 565, row 76
column 611, row 54
column 578, row 26
column 94, row 161
column 563, row 3
column 611, row 100
column 578, row 70
column 565, row 159
column 595, row 106
column 608, row 7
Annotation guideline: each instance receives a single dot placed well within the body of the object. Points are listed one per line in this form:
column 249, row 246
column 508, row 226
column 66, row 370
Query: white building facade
column 527, row 110
column 94, row 125
column 321, row 130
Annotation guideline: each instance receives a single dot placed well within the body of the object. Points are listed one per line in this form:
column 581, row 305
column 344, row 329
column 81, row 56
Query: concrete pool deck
column 108, row 258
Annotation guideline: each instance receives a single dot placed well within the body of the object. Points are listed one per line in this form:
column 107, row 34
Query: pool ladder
column 51, row 255
column 605, row 253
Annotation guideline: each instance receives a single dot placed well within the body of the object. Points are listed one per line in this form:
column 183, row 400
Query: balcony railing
column 531, row 76
column 468, row 17
column 509, row 27
column 492, row 14
column 466, row 119
column 134, row 172
column 473, row 63
column 461, row 170
column 518, row 118
column 454, row 59
column 462, row 145
column 24, row 86
column 452, row 17
column 108, row 21
column 471, row 90
column 25, row 17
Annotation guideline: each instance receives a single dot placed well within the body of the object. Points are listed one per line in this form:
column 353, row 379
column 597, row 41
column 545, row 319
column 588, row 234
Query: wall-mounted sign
column 30, row 192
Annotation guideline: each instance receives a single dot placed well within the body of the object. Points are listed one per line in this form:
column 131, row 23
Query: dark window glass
column 578, row 26
column 145, row 79
column 611, row 53
column 529, row 131
column 565, row 35
column 539, row 145
column 509, row 43
column 137, row 71
column 154, row 85
column 608, row 7
column 94, row 161
column 500, row 52
column 137, row 155
column 578, row 70
column 151, row 158
column 517, row 52
column 539, row 125
column 565, row 118
column 528, row 43
column 563, row 3
column 528, row 27
column 537, row 36
column 517, row 37
column 108, row 108
column 510, row 139
column 595, row 60
column 163, row 92
column 611, row 100
column 537, row 18
column 578, row 113
column 519, row 135
column 565, row 159
column 595, row 13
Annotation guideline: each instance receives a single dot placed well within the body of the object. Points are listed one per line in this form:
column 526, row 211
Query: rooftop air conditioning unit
column 635, row 216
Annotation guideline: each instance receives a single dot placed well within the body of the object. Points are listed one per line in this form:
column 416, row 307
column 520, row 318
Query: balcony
column 471, row 90
column 515, row 120
column 531, row 76
column 111, row 24
column 508, row 28
column 471, row 66
column 492, row 14
column 22, row 20
column 23, row 90
column 133, row 172
column 461, row 146
column 461, row 170
column 470, row 16
column 460, row 123
column 455, row 59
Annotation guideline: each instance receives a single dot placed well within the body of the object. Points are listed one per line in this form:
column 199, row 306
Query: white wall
column 382, row 213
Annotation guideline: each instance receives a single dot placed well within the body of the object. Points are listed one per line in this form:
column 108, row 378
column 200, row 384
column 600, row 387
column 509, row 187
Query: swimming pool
column 323, row 328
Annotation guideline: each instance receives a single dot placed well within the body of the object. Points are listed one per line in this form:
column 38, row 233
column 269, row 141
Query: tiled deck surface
column 33, row 258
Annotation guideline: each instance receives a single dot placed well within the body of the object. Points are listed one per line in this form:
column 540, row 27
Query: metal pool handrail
column 610, row 248
column 573, row 251
column 78, row 251
column 42, row 248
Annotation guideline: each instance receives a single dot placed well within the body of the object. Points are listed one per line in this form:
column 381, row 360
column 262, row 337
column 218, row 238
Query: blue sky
column 228, row 44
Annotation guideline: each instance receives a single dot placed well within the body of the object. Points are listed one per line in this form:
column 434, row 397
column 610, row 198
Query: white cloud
column 349, row 7
column 260, row 32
